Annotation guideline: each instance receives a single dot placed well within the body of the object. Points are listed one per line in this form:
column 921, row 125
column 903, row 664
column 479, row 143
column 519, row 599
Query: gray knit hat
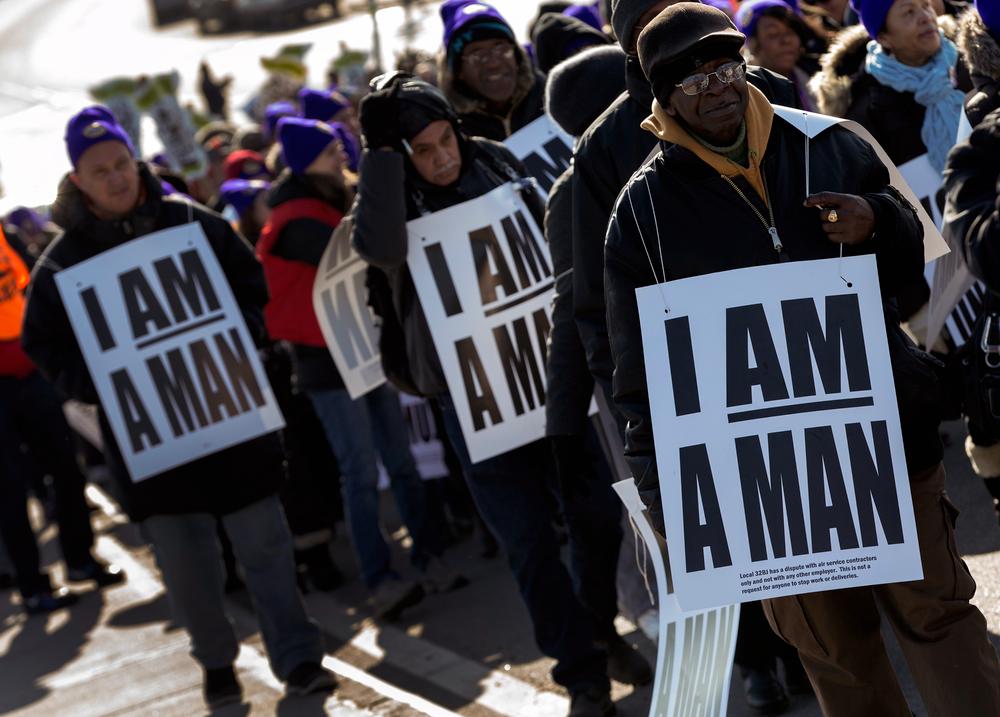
column 601, row 70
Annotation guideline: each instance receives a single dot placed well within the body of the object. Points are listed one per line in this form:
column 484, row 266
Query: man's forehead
column 485, row 43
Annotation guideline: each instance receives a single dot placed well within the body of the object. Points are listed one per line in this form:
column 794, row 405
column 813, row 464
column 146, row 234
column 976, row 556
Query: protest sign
column 167, row 348
column 157, row 95
column 425, row 444
column 340, row 300
column 545, row 150
column 483, row 274
column 694, row 651
column 777, row 433
column 118, row 95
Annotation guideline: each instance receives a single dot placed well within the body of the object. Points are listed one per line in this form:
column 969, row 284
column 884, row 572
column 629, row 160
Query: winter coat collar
column 844, row 63
column 978, row 46
column 759, row 119
column 465, row 102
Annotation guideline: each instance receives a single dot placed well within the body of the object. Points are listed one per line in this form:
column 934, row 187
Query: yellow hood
column 759, row 116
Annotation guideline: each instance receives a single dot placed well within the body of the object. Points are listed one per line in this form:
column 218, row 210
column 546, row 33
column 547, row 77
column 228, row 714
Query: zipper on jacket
column 771, row 228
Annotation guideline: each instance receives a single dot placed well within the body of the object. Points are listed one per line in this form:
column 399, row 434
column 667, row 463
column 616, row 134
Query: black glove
column 213, row 91
column 379, row 118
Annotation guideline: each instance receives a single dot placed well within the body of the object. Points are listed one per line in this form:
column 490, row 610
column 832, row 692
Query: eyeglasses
column 726, row 74
column 504, row 51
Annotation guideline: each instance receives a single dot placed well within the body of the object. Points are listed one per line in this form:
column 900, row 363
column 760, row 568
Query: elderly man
column 729, row 189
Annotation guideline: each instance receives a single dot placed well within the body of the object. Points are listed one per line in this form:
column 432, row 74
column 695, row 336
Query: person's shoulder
column 604, row 127
column 640, row 191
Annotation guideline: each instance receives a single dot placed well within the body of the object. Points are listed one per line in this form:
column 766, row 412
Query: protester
column 329, row 106
column 418, row 160
column 307, row 204
column 558, row 37
column 107, row 200
column 979, row 44
column 31, row 414
column 776, row 40
column 245, row 164
column 248, row 198
column 483, row 72
column 717, row 174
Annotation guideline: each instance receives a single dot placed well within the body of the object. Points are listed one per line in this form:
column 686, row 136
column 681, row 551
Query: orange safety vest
column 14, row 278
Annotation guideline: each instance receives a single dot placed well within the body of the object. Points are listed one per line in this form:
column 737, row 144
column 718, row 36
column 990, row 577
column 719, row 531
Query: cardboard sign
column 157, row 95
column 694, row 652
column 484, row 278
column 167, row 348
column 545, row 150
column 340, row 300
column 777, row 432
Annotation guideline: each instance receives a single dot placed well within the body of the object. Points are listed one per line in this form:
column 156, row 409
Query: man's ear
column 669, row 109
column 74, row 179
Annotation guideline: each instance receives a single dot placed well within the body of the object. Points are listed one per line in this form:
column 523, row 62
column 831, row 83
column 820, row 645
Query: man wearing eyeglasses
column 485, row 74
column 727, row 193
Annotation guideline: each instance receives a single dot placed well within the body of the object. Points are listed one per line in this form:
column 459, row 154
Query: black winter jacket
column 706, row 227
column 305, row 240
column 220, row 483
column 972, row 207
column 386, row 202
column 606, row 155
column 569, row 385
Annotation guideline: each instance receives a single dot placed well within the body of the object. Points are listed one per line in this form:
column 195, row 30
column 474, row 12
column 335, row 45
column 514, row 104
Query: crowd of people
column 670, row 105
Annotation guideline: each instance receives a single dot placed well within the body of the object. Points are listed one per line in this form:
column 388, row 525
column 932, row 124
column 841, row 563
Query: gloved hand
column 213, row 91
column 379, row 118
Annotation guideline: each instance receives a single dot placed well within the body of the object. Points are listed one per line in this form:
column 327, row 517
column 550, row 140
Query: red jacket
column 289, row 315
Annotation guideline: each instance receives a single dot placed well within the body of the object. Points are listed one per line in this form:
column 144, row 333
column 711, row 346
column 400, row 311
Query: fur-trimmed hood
column 844, row 62
column 978, row 47
column 465, row 103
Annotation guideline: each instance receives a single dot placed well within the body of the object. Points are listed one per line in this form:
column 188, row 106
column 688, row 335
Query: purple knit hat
column 352, row 148
column 274, row 112
column 302, row 140
column 466, row 21
column 241, row 193
column 93, row 125
column 989, row 11
column 587, row 14
column 873, row 14
column 321, row 104
column 750, row 13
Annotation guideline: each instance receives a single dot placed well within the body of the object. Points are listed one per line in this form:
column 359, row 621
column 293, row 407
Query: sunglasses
column 726, row 74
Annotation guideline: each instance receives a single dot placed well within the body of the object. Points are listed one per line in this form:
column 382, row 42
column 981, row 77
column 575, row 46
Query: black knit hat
column 601, row 70
column 558, row 37
column 680, row 39
column 625, row 15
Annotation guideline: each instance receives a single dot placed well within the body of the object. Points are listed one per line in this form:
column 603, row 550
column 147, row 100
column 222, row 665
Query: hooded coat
column 219, row 483
column 606, row 155
column 706, row 227
column 527, row 104
column 982, row 55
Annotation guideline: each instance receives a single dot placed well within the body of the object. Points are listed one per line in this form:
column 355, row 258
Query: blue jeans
column 188, row 554
column 356, row 430
column 510, row 491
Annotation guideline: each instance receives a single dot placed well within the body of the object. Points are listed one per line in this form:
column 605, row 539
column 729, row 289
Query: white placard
column 484, row 278
column 777, row 433
column 168, row 350
column 545, row 150
column 425, row 444
column 340, row 300
column 694, row 650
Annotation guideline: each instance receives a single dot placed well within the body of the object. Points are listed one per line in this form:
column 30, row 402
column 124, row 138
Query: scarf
column 931, row 87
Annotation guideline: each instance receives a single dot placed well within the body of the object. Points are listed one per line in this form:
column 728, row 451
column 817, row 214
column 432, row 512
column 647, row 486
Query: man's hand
column 846, row 218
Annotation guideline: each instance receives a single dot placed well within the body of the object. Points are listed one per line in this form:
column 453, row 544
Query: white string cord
column 641, row 563
column 649, row 257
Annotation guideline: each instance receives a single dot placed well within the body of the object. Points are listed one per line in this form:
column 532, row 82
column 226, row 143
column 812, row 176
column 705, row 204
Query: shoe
column 796, row 680
column 104, row 575
column 393, row 596
column 49, row 601
column 310, row 677
column 221, row 687
column 625, row 663
column 322, row 572
column 594, row 702
column 764, row 694
column 438, row 577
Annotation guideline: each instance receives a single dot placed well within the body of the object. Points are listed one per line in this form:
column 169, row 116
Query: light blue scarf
column 931, row 87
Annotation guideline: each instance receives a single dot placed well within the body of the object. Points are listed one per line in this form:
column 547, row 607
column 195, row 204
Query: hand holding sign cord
column 846, row 219
column 168, row 350
column 788, row 476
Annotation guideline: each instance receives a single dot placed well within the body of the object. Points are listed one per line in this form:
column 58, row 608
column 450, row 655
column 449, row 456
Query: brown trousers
column 942, row 635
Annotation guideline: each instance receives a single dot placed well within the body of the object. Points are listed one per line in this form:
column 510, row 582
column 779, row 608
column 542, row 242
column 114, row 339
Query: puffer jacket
column 527, row 105
column 982, row 54
column 386, row 201
column 220, row 483
column 606, row 155
column 972, row 206
column 711, row 229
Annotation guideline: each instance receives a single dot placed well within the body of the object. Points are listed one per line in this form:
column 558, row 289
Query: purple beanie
column 302, row 140
column 750, row 13
column 93, row 125
column 587, row 14
column 241, row 193
column 352, row 148
column 873, row 14
column 989, row 11
column 274, row 112
column 466, row 21
column 321, row 104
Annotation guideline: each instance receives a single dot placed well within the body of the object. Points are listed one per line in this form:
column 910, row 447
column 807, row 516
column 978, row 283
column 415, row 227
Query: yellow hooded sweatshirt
column 759, row 117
